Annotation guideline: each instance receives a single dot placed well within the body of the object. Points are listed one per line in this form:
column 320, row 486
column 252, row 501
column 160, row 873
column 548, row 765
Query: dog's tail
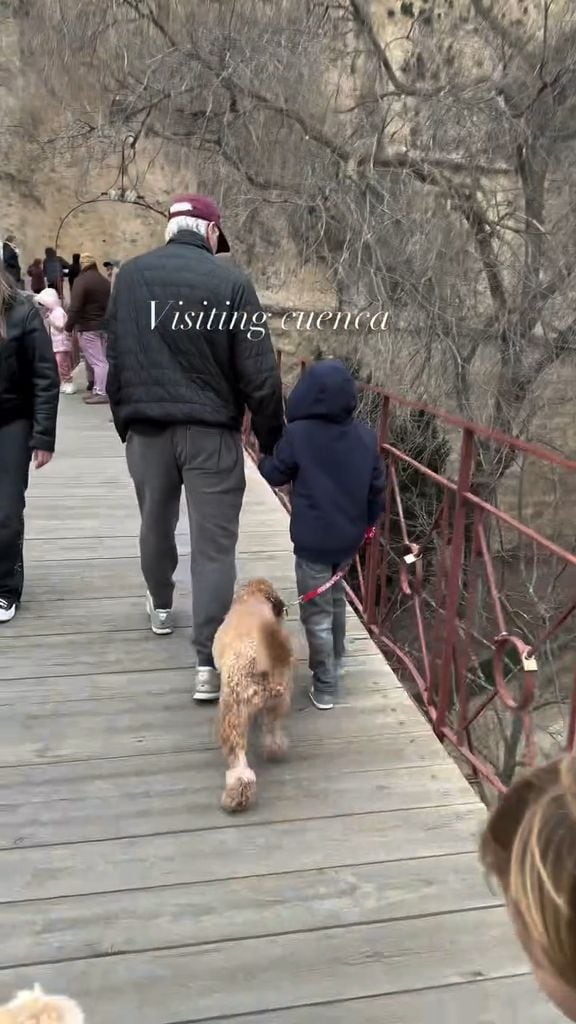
column 273, row 648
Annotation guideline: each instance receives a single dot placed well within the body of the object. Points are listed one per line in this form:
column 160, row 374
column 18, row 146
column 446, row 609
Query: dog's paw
column 240, row 789
column 275, row 748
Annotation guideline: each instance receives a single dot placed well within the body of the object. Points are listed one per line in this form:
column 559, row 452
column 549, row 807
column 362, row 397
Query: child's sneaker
column 320, row 699
column 68, row 389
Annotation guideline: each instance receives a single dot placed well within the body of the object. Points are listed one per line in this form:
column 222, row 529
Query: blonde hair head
column 529, row 844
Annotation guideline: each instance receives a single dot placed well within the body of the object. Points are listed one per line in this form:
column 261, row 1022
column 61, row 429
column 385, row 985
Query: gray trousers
column 210, row 464
column 324, row 620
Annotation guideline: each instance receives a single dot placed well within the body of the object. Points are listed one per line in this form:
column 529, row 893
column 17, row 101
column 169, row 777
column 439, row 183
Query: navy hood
column 326, row 392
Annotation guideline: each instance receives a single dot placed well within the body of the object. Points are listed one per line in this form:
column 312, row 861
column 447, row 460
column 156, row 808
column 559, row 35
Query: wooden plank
column 84, row 926
column 477, row 1002
column 22, row 657
column 91, row 615
column 86, row 516
column 192, row 983
column 52, row 520
column 117, row 577
column 237, row 851
column 66, row 548
column 94, row 615
column 137, row 798
column 191, row 799
column 365, row 677
column 118, row 727
column 123, row 651
column 259, row 504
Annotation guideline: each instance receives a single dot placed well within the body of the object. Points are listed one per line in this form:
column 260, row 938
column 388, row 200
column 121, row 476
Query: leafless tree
column 422, row 152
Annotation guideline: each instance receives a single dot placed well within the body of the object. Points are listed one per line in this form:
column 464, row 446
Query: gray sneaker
column 322, row 701
column 160, row 618
column 207, row 684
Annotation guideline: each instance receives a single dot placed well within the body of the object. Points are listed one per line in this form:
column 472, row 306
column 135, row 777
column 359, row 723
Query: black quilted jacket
column 177, row 354
column 29, row 383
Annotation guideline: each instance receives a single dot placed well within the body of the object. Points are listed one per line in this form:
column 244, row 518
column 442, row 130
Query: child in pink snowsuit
column 55, row 319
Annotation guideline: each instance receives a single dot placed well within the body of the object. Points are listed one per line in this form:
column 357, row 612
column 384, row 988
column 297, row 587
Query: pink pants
column 64, row 360
column 92, row 344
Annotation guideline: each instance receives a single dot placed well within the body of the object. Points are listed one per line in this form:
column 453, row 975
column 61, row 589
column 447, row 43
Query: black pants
column 14, row 466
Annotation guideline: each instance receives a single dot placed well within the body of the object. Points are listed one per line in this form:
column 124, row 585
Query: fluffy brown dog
column 35, row 1007
column 254, row 656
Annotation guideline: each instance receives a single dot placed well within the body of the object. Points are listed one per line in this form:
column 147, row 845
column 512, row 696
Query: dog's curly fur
column 254, row 657
column 34, row 1007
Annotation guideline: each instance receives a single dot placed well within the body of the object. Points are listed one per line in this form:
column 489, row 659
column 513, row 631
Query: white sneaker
column 68, row 389
column 207, row 683
column 7, row 609
column 160, row 618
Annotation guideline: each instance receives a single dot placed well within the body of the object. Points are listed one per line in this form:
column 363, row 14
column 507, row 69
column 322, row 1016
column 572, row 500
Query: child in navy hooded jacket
column 334, row 465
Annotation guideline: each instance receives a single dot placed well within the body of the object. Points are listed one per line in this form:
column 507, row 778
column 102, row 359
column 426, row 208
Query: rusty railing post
column 373, row 553
column 457, row 549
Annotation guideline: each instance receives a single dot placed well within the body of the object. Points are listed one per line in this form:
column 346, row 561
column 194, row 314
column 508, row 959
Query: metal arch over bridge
column 124, row 188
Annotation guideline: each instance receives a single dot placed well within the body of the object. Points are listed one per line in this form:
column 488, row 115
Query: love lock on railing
column 413, row 557
column 529, row 668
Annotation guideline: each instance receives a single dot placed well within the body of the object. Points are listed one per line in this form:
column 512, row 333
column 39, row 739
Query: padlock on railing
column 529, row 663
column 413, row 555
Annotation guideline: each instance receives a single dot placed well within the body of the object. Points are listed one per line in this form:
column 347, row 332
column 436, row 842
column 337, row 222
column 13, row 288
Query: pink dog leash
column 304, row 598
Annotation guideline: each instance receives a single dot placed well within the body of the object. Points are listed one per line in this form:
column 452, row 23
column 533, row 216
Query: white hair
column 183, row 223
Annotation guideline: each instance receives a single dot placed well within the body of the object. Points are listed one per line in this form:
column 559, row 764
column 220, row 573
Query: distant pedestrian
column 334, row 463
column 73, row 270
column 111, row 267
column 55, row 322
column 11, row 259
column 86, row 314
column 36, row 274
column 29, row 388
column 53, row 270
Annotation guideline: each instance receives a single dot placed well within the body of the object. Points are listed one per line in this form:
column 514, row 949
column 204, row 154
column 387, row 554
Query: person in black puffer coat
column 188, row 351
column 29, row 390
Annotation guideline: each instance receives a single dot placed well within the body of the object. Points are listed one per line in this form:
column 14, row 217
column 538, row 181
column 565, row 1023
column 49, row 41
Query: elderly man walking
column 188, row 351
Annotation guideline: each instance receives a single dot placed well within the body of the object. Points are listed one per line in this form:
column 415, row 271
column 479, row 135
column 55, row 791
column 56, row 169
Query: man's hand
column 41, row 458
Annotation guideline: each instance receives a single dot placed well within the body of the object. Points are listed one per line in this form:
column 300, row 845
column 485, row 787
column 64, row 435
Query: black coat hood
column 326, row 392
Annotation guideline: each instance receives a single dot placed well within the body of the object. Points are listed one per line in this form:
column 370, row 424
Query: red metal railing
column 472, row 606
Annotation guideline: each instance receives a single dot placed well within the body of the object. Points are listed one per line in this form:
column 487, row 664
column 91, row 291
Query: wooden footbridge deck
column 350, row 893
